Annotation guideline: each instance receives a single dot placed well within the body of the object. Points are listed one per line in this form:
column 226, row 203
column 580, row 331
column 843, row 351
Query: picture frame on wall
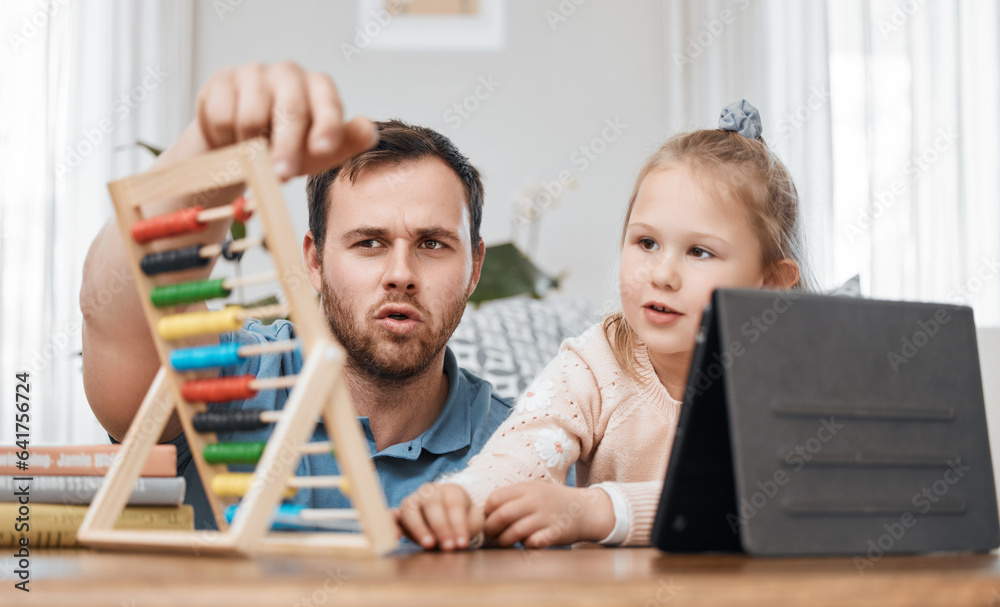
column 432, row 25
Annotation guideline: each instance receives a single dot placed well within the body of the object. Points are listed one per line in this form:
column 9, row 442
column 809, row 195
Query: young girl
column 710, row 209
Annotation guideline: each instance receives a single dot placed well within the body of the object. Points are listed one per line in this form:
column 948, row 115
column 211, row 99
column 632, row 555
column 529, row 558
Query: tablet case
column 821, row 425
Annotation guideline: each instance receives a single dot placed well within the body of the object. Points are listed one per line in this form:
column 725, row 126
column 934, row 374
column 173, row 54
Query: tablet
column 823, row 425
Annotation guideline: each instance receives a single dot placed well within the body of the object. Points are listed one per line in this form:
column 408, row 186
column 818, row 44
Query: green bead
column 188, row 292
column 234, row 453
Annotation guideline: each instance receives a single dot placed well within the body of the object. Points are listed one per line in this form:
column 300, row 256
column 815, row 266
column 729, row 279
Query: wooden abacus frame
column 320, row 391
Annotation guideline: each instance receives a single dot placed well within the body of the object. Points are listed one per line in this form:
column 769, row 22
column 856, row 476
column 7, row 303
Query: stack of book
column 60, row 482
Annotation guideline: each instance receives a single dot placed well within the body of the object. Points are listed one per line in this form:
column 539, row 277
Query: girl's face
column 682, row 243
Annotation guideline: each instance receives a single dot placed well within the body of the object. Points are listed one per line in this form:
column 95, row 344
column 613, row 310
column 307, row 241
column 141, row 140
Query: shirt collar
column 451, row 431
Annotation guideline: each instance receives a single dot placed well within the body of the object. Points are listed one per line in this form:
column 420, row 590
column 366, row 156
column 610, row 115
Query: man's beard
column 384, row 355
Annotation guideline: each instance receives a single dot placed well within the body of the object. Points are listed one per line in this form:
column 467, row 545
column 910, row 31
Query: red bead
column 218, row 390
column 240, row 212
column 171, row 224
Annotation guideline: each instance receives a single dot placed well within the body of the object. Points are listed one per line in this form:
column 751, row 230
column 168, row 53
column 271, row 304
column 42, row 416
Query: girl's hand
column 442, row 515
column 540, row 514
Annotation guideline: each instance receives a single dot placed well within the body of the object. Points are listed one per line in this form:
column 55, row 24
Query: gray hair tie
column 741, row 117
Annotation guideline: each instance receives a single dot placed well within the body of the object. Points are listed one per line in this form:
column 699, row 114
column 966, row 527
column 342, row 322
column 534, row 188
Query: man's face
column 397, row 265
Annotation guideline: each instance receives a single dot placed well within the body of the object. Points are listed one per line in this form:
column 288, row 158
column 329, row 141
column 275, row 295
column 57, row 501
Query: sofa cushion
column 509, row 341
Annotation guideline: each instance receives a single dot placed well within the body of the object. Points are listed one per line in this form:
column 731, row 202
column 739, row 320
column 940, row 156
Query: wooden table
column 590, row 576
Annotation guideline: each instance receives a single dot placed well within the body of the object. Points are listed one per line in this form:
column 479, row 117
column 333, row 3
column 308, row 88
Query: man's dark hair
column 398, row 142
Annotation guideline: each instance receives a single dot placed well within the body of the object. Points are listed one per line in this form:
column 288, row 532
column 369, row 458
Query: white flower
column 551, row 446
column 537, row 398
column 611, row 391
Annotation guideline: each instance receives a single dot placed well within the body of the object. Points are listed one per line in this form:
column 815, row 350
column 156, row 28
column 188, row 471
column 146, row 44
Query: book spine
column 55, row 526
column 81, row 490
column 84, row 460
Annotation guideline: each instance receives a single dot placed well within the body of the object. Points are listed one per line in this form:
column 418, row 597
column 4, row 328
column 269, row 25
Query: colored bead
column 205, row 357
column 240, row 212
column 234, row 453
column 218, row 390
column 174, row 260
column 179, row 326
column 188, row 292
column 228, row 422
column 236, row 484
column 230, row 255
column 172, row 224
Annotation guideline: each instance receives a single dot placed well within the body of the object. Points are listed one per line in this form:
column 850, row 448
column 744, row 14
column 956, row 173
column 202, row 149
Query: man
column 393, row 248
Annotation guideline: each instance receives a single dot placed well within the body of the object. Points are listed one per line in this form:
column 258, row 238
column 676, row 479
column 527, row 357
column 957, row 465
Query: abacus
column 188, row 379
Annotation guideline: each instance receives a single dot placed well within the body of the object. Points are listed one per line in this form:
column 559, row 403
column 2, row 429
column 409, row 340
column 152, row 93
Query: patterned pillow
column 509, row 341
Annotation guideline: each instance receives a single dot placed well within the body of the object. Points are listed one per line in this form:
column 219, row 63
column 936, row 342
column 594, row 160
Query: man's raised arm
column 301, row 114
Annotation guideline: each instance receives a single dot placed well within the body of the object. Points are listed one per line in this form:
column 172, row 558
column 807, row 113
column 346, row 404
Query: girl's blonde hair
column 740, row 169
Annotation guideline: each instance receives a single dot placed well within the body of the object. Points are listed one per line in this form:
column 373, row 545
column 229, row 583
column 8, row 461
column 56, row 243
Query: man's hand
column 442, row 515
column 299, row 111
column 540, row 514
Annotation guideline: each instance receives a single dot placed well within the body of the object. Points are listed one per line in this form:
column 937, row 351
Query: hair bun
column 742, row 118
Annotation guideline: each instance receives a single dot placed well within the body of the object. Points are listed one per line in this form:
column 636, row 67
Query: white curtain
column 885, row 113
column 83, row 81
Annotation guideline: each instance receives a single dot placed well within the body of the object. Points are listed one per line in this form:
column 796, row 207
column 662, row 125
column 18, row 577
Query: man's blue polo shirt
column 470, row 415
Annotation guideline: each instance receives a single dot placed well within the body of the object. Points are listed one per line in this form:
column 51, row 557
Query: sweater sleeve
column 551, row 427
column 642, row 499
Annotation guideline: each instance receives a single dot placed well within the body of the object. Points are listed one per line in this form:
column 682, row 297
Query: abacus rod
column 273, row 383
column 270, row 416
column 264, row 311
column 315, row 482
column 327, row 514
column 275, row 346
column 223, row 212
column 318, row 447
column 237, row 246
column 232, row 283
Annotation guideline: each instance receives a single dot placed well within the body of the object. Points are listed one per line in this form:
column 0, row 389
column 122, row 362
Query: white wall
column 557, row 89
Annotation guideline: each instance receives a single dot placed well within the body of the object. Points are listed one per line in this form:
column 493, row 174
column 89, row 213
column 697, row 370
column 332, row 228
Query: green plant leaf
column 508, row 272
column 238, row 230
column 153, row 150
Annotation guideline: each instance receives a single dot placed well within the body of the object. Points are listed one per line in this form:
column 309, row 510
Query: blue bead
column 205, row 357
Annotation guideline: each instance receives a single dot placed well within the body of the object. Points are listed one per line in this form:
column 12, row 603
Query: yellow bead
column 236, row 484
column 179, row 326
